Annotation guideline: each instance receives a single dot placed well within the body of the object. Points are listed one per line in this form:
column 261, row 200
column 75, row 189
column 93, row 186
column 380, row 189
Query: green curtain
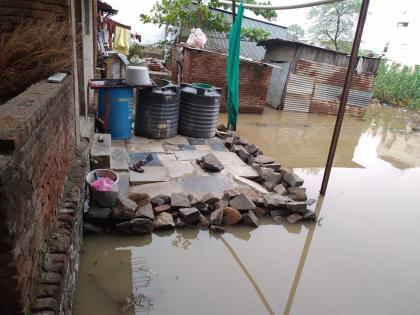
column 233, row 69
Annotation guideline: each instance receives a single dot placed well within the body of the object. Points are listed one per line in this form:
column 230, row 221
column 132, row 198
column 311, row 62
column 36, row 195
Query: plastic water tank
column 115, row 109
column 157, row 111
column 199, row 112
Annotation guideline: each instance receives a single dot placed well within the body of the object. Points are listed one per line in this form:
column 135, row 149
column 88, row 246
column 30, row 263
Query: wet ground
column 361, row 258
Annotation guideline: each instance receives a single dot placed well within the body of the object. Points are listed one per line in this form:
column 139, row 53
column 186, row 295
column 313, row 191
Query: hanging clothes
column 122, row 40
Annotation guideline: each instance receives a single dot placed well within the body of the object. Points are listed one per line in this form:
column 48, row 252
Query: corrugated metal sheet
column 299, row 93
column 333, row 75
column 319, row 83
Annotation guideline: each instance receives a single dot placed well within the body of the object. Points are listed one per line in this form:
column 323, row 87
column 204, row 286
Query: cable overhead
column 281, row 7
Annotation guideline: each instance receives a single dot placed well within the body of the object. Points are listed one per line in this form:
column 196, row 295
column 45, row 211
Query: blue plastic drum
column 115, row 109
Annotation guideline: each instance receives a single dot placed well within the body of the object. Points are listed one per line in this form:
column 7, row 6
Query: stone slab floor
column 174, row 167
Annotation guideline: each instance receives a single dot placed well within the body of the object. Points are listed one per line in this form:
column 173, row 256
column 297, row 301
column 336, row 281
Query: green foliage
column 135, row 50
column 397, row 85
column 334, row 22
column 296, row 30
column 181, row 13
column 255, row 34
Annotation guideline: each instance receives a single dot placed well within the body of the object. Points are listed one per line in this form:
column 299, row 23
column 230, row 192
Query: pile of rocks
column 140, row 214
column 272, row 175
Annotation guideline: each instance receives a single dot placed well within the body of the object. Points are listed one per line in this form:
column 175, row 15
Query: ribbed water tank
column 199, row 111
column 157, row 111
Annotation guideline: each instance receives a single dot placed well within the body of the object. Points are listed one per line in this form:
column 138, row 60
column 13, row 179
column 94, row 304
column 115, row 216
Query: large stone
column 141, row 199
column 275, row 167
column 210, row 199
column 162, row 208
column 160, row 200
column 280, row 189
column 308, row 215
column 280, row 212
column 210, row 163
column 179, row 200
column 297, row 206
column 201, row 206
column 230, row 193
column 263, row 159
column 97, row 214
column 221, row 204
column 141, row 226
column 251, row 149
column 204, row 222
column 231, row 216
column 179, row 223
column 216, row 217
column 250, row 219
column 265, row 172
column 163, row 221
column 228, row 142
column 124, row 227
column 275, row 201
column 293, row 180
column 145, row 212
column 101, row 151
column 124, row 208
column 294, row 218
column 297, row 193
column 260, row 212
column 242, row 203
column 190, row 215
column 243, row 154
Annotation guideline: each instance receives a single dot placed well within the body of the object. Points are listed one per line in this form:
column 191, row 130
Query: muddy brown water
column 363, row 256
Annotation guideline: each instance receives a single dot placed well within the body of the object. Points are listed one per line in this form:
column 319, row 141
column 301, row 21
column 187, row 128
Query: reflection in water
column 362, row 258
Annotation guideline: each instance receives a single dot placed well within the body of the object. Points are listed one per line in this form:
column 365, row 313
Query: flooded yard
column 361, row 257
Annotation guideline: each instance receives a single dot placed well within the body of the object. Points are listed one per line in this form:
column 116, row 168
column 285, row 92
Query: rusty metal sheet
column 333, row 75
column 297, row 102
column 300, row 84
column 331, row 93
column 299, row 93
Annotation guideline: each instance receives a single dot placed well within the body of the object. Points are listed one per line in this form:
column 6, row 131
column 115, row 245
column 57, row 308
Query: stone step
column 101, row 151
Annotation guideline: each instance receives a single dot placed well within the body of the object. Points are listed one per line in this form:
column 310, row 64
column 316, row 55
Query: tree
column 181, row 13
column 296, row 30
column 334, row 22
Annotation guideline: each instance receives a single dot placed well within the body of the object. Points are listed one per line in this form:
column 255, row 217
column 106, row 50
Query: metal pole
column 345, row 94
column 233, row 11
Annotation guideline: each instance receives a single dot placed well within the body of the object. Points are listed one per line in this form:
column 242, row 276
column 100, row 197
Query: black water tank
column 157, row 111
column 199, row 112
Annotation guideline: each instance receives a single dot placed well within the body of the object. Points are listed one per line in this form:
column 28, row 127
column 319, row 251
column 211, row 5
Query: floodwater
column 362, row 257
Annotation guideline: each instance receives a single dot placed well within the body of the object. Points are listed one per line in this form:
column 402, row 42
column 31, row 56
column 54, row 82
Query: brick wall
column 210, row 67
column 13, row 12
column 332, row 108
column 36, row 145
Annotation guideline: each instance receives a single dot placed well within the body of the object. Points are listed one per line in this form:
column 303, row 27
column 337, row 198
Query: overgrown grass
column 398, row 85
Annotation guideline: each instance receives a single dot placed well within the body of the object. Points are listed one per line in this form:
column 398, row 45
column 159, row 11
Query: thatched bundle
column 33, row 51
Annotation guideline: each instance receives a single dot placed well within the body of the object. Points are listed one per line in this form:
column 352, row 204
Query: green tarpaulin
column 233, row 69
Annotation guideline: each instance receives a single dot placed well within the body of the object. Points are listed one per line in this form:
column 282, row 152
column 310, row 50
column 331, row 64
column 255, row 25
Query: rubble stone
column 263, row 159
column 231, row 216
column 160, row 200
column 274, row 167
column 230, row 193
column 251, row 149
column 260, row 212
column 210, row 198
column 123, row 227
column 297, row 193
column 204, row 222
column 190, row 215
column 203, row 207
column 280, row 189
column 242, row 203
column 243, row 154
column 293, row 218
column 162, row 208
column 210, row 163
column 98, row 215
column 275, row 201
column 141, row 199
column 216, row 217
column 145, row 212
column 124, row 208
column 221, row 204
column 180, row 200
column 90, row 229
column 250, row 219
column 228, row 142
column 293, row 180
column 297, row 206
column 163, row 221
column 141, row 226
column 308, row 215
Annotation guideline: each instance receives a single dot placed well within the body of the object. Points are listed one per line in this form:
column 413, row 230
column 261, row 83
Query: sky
column 379, row 27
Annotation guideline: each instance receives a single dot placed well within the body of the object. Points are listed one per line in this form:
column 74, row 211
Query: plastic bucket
column 103, row 198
